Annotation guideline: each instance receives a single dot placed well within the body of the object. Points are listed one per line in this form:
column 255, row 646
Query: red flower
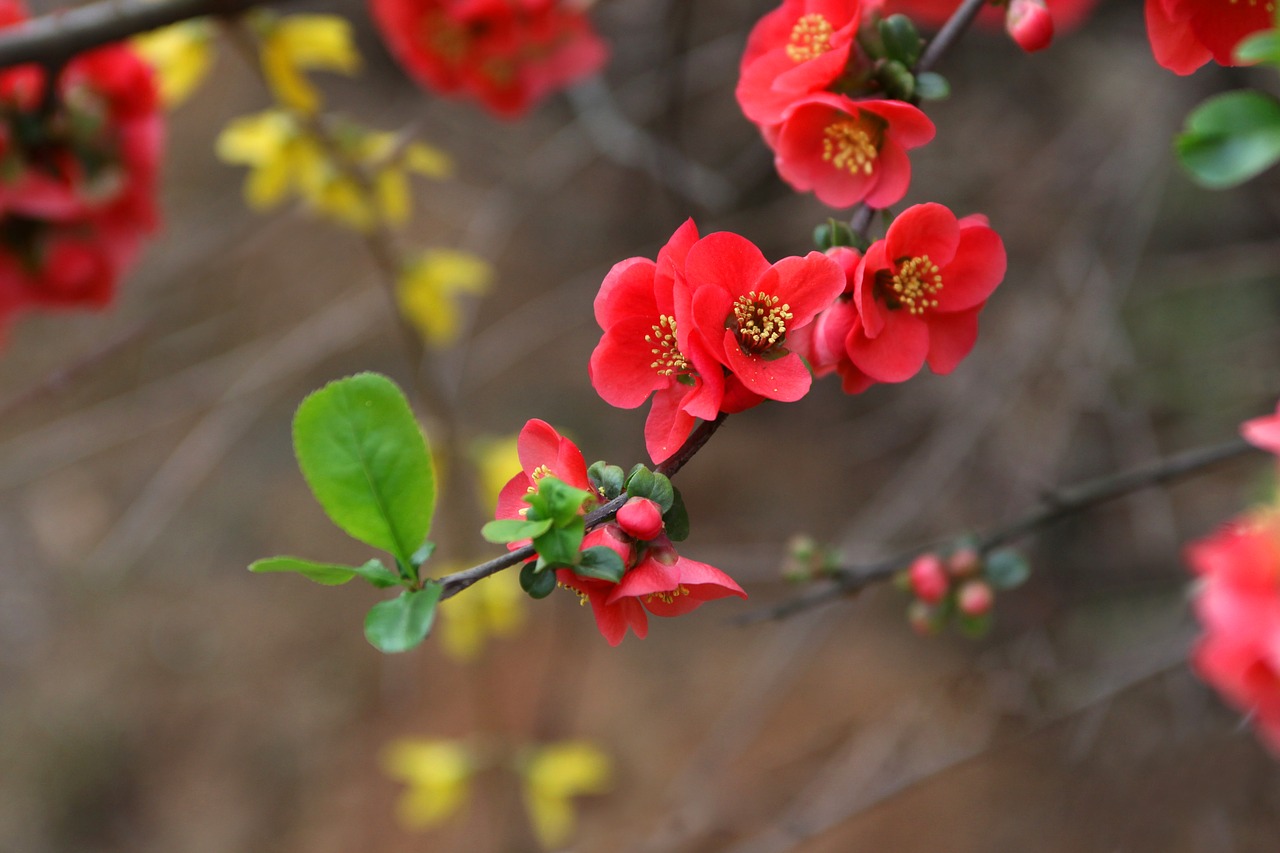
column 798, row 49
column 78, row 190
column 919, row 291
column 543, row 452
column 613, row 618
column 1186, row 34
column 1263, row 432
column 1067, row 14
column 1238, row 604
column 670, row 585
column 639, row 354
column 848, row 151
column 735, row 307
column 507, row 54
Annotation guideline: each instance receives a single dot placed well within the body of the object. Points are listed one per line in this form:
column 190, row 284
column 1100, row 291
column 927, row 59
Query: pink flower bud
column 975, row 598
column 1029, row 24
column 928, row 578
column 964, row 563
column 641, row 518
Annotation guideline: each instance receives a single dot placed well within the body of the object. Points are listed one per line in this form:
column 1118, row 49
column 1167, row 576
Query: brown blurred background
column 156, row 697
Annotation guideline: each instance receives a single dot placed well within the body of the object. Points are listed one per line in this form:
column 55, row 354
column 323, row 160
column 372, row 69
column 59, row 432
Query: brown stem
column 950, row 33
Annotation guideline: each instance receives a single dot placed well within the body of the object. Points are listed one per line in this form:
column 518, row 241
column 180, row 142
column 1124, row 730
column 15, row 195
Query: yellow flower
column 429, row 288
column 497, row 461
column 297, row 43
column 494, row 607
column 180, row 54
column 282, row 159
column 553, row 776
column 438, row 773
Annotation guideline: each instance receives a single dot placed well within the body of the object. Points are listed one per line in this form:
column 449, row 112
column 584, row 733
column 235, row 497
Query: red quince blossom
column 543, row 452
column 919, row 290
column 1263, row 432
column 1186, row 34
column 77, row 186
column 1238, row 604
column 639, row 354
column 798, row 49
column 506, row 54
column 741, row 310
column 848, row 151
column 1067, row 14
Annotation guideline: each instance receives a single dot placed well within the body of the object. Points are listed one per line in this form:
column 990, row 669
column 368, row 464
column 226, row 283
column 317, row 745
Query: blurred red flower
column 1186, row 34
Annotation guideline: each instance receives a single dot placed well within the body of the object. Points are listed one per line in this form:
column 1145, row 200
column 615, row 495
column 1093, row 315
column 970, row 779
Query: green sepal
column 1230, row 138
column 366, row 461
column 504, row 531
column 601, row 563
column 609, row 479
column 639, row 481
column 973, row 627
column 559, row 545
column 897, row 80
column 1006, row 569
column 538, row 584
column 834, row 233
column 403, row 622
column 329, row 574
column 676, row 519
column 643, row 483
column 901, row 39
column 932, row 86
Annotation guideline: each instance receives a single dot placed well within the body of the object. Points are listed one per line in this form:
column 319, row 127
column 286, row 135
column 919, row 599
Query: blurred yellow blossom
column 282, row 159
column 497, row 460
column 494, row 607
column 553, row 776
column 438, row 773
column 293, row 44
column 429, row 288
column 180, row 54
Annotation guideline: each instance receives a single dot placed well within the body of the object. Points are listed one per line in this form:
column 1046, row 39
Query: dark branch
column 950, row 33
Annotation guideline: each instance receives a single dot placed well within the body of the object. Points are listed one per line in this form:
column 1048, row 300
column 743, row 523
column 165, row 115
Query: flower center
column 915, row 284
column 667, row 358
column 849, row 146
column 669, row 596
column 810, row 38
column 762, row 322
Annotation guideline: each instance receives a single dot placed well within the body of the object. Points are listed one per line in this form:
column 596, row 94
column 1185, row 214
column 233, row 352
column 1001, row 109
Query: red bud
column 641, row 518
column 1029, row 24
column 975, row 598
column 928, row 578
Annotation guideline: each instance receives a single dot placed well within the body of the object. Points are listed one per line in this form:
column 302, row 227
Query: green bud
column 901, row 40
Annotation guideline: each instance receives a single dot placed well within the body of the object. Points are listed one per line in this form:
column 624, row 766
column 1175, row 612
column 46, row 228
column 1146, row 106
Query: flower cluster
column 655, row 578
column 77, row 175
column 1237, row 601
column 1186, row 34
column 506, row 54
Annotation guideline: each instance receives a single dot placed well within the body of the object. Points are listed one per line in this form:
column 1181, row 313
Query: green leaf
column 559, row 546
column 662, row 493
column 403, row 622
column 602, row 563
column 507, row 530
column 1231, row 138
column 562, row 501
column 420, row 556
column 366, row 461
column 329, row 574
column 610, row 479
column 931, row 86
column 676, row 519
column 901, row 39
column 377, row 574
column 1260, row 47
column 1006, row 568
column 539, row 584
column 639, row 481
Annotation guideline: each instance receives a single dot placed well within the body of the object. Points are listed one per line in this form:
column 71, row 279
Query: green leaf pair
column 367, row 462
column 1230, row 139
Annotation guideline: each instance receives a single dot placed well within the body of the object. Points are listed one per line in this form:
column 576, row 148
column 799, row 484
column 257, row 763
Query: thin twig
column 1054, row 507
column 61, row 378
column 950, row 33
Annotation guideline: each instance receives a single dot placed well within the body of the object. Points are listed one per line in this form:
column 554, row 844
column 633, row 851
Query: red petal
column 892, row 176
column 785, row 379
column 538, row 444
column 808, row 285
column 621, row 367
column 626, row 291
column 666, row 427
column 924, row 229
column 1172, row 42
column 864, row 285
column 978, row 267
column 726, row 261
column 897, row 353
column 645, row 579
column 951, row 338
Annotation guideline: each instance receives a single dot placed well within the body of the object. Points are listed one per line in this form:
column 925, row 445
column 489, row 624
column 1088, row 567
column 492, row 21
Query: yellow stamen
column 667, row 358
column 915, row 283
column 847, row 145
column 762, row 322
column 810, row 38
column 669, row 596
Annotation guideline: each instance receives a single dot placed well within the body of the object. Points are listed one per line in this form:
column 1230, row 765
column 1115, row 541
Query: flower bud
column 923, row 618
column 641, row 518
column 928, row 578
column 964, row 563
column 1029, row 24
column 975, row 598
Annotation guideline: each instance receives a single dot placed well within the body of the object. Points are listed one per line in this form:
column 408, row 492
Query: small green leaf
column 366, row 461
column 1260, row 47
column 602, row 563
column 559, row 546
column 662, row 493
column 931, row 86
column 610, row 479
column 377, row 574
column 420, row 556
column 329, row 574
column 1006, row 569
column 1231, row 138
column 507, row 530
column 403, row 622
column 539, row 584
column 901, row 39
column 639, row 481
column 897, row 80
column 562, row 501
column 676, row 519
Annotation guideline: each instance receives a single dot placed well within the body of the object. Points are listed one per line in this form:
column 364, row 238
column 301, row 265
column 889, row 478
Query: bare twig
column 61, row 378
column 950, row 33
